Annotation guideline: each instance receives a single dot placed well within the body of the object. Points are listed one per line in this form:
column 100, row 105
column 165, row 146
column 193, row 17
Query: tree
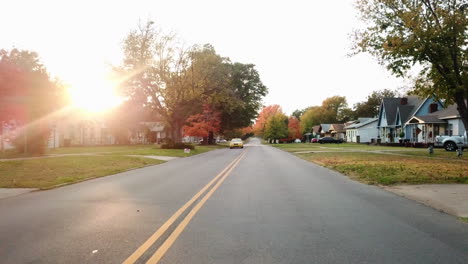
column 246, row 91
column 429, row 34
column 370, row 107
column 334, row 110
column 201, row 125
column 299, row 112
column 276, row 127
column 156, row 71
column 175, row 82
column 310, row 118
column 27, row 95
column 294, row 128
column 264, row 115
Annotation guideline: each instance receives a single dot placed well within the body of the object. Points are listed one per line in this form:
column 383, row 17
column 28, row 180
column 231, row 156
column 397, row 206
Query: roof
column 337, row 127
column 359, row 125
column 316, row 129
column 432, row 119
column 447, row 113
column 325, row 127
column 406, row 111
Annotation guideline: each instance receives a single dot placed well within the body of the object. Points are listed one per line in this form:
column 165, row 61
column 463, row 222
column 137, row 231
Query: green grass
column 50, row 172
column 295, row 147
column 374, row 168
column 107, row 160
column 120, row 150
column 464, row 219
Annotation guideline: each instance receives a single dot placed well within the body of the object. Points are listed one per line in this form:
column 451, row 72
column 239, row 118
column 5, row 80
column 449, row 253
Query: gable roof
column 365, row 123
column 316, row 129
column 337, row 127
column 394, row 105
column 325, row 127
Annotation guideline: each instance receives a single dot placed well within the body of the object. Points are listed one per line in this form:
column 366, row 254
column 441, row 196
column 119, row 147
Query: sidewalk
column 450, row 198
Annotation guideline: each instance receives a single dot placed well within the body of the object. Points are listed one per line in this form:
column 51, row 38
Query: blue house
column 395, row 115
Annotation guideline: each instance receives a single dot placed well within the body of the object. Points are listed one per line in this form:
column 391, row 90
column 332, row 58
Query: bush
column 177, row 146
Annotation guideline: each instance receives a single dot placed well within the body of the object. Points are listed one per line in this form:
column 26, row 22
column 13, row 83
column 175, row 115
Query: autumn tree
column 263, row 116
column 201, row 125
column 276, row 127
column 430, row 36
column 294, row 128
column 27, row 96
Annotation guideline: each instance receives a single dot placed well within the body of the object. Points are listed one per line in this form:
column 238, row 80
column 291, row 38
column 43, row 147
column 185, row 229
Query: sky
column 300, row 48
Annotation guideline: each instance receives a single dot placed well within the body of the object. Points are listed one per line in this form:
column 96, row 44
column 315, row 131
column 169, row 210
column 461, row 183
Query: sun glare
column 94, row 96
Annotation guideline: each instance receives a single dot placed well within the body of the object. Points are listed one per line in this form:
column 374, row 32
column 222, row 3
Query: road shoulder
column 449, row 198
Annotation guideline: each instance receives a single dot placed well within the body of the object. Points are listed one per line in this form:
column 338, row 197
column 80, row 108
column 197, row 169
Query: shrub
column 177, row 146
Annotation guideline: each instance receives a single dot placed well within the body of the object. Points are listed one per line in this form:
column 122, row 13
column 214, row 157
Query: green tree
column 370, row 107
column 430, row 34
column 244, row 100
column 299, row 112
column 276, row 127
column 334, row 110
column 310, row 118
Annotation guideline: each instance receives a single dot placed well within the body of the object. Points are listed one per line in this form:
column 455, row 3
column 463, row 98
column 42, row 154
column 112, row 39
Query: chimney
column 433, row 108
column 404, row 101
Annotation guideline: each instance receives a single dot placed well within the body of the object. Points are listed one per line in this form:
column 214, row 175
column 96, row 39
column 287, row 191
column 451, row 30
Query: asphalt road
column 266, row 207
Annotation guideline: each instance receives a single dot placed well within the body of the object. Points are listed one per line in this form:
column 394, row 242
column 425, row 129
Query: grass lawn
column 49, row 172
column 295, row 147
column 374, row 168
column 121, row 150
column 464, row 219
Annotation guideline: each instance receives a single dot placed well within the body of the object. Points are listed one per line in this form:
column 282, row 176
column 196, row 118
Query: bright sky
column 299, row 47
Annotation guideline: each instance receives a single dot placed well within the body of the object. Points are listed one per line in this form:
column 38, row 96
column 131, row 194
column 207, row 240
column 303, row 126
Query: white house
column 364, row 131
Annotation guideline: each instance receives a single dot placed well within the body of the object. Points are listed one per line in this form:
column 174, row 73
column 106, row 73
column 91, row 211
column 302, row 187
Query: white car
column 297, row 140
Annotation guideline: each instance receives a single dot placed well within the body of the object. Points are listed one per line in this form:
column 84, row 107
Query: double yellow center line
column 216, row 181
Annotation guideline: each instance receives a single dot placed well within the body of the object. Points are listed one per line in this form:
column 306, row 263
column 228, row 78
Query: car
column 329, row 140
column 314, row 140
column 236, row 143
column 297, row 140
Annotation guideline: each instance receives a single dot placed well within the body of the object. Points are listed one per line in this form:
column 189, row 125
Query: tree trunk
column 462, row 108
column 176, row 135
column 211, row 138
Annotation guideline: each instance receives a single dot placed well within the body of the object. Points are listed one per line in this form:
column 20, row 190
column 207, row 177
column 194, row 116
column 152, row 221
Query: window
column 450, row 130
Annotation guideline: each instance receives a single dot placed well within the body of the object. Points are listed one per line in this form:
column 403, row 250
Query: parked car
column 329, row 140
column 236, row 143
column 297, row 140
column 314, row 140
column 451, row 143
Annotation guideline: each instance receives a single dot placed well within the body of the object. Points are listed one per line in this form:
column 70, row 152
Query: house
column 337, row 131
column 424, row 128
column 316, row 131
column 325, row 130
column 364, row 130
column 395, row 113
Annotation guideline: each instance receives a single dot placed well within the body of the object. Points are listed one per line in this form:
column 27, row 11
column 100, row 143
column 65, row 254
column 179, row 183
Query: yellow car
column 236, row 143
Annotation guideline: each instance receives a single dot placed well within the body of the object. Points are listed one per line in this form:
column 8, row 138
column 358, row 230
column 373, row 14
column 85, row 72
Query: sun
column 94, row 95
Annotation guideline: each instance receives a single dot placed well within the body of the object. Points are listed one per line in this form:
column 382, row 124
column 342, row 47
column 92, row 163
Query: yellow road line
column 147, row 244
column 180, row 228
